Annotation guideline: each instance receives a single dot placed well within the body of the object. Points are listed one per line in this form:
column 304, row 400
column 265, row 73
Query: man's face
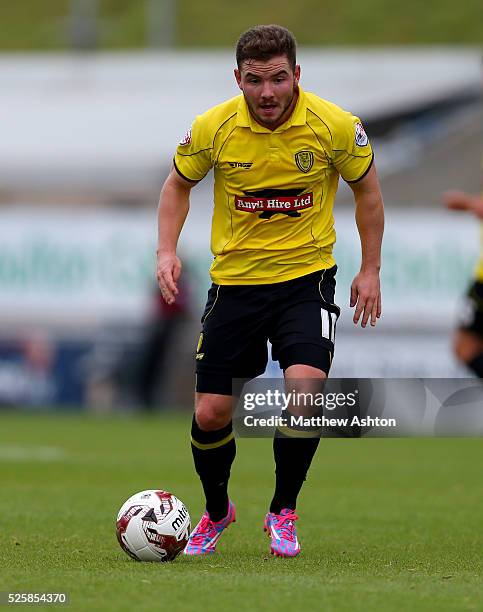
column 269, row 88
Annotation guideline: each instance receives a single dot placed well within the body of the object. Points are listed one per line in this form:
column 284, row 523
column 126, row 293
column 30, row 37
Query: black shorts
column 297, row 316
column 471, row 313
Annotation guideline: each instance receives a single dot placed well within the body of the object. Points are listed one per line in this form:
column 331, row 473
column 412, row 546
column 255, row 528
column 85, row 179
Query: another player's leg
column 468, row 348
column 468, row 339
column 213, row 448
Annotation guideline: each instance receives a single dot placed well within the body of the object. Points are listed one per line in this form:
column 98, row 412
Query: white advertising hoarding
column 91, row 268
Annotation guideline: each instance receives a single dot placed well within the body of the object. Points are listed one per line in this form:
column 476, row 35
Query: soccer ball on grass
column 153, row 525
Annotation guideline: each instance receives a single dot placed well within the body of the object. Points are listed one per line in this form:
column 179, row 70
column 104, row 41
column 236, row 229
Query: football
column 153, row 525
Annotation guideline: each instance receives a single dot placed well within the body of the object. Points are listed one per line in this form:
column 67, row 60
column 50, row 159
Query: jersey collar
column 298, row 116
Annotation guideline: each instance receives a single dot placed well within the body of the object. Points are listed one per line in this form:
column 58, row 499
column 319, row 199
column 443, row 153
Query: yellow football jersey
column 274, row 190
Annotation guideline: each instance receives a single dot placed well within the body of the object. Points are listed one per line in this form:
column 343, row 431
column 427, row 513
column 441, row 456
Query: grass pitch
column 387, row 525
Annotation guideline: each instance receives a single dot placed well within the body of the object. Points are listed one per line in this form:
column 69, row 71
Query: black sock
column 476, row 365
column 213, row 454
column 293, row 456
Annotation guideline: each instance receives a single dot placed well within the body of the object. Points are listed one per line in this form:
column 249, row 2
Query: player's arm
column 353, row 158
column 459, row 200
column 172, row 211
column 366, row 288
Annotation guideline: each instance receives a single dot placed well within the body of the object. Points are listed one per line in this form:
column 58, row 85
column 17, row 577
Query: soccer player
column 468, row 338
column 277, row 153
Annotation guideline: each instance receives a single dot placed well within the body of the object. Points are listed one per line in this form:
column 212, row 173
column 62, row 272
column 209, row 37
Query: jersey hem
column 281, row 278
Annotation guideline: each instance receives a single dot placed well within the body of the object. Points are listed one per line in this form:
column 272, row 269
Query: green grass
column 31, row 24
column 385, row 524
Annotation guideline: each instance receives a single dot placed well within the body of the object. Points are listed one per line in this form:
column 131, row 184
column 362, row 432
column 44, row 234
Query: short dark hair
column 263, row 42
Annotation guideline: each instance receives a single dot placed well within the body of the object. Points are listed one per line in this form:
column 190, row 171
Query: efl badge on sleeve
column 304, row 160
column 361, row 136
column 186, row 139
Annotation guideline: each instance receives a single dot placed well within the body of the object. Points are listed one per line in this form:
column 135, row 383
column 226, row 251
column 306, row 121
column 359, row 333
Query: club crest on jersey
column 186, row 139
column 361, row 136
column 304, row 160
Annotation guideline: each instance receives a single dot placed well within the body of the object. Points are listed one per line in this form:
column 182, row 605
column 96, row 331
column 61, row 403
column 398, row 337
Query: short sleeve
column 193, row 155
column 352, row 151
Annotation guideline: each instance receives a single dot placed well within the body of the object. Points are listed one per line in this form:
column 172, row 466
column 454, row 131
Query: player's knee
column 213, row 412
column 466, row 346
column 304, row 375
column 306, row 383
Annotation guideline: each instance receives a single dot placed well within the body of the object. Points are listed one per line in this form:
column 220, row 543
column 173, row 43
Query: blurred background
column 94, row 97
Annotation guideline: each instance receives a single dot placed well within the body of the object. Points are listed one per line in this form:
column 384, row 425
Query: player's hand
column 459, row 200
column 168, row 271
column 366, row 297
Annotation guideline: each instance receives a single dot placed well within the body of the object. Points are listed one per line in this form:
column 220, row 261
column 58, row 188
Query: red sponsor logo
column 274, row 204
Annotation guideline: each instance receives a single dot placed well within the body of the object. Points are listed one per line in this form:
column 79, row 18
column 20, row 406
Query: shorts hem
column 316, row 356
